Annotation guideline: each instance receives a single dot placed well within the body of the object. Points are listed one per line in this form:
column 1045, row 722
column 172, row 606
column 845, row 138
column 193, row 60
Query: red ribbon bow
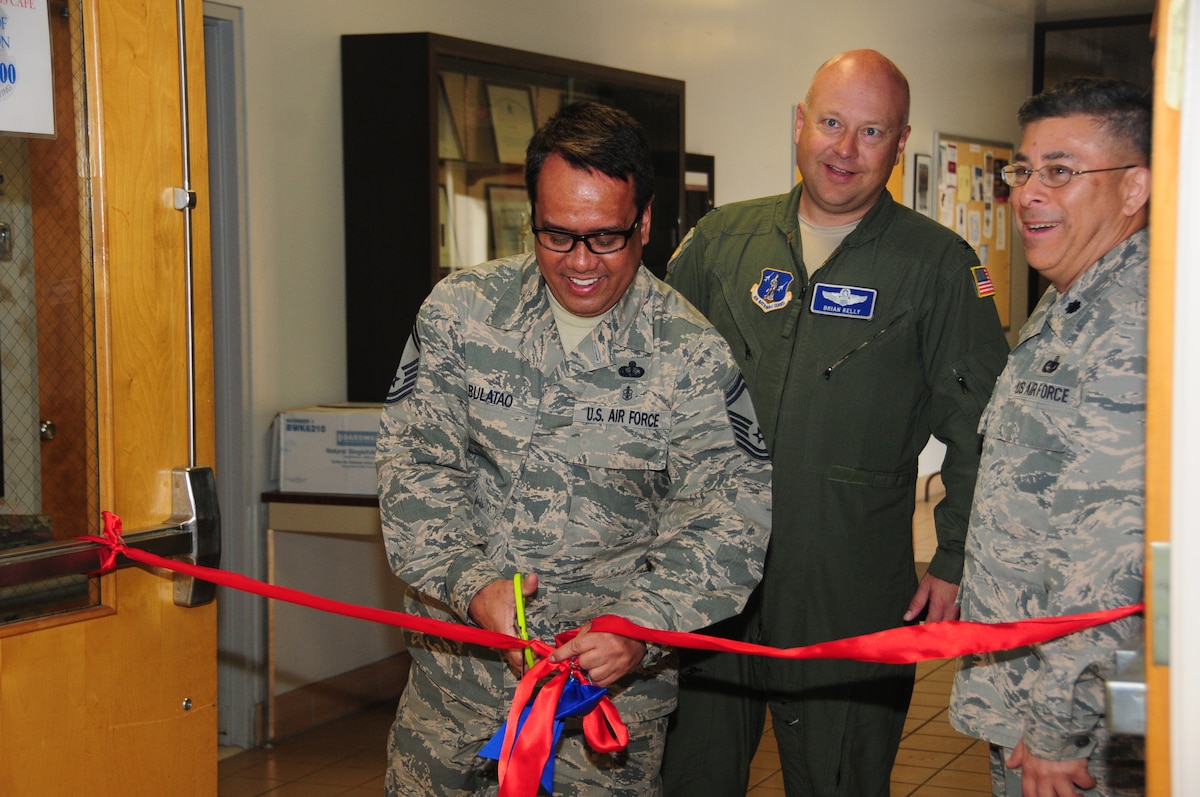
column 523, row 757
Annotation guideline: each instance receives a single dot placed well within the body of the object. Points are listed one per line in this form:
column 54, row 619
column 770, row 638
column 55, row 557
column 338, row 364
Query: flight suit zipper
column 828, row 372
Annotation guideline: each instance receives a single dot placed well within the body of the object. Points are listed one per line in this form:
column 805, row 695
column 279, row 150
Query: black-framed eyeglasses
column 598, row 243
column 1052, row 175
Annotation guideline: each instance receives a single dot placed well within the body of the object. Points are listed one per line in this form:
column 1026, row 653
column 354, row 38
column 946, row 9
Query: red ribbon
column 904, row 645
column 524, row 756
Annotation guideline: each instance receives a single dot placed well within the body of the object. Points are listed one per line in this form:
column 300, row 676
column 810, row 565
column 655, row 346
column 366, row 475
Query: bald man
column 862, row 328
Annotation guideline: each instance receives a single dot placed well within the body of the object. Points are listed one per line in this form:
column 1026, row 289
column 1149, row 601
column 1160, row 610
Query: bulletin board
column 971, row 199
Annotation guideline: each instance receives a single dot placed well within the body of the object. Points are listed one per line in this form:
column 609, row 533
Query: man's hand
column 606, row 658
column 936, row 595
column 1042, row 777
column 495, row 608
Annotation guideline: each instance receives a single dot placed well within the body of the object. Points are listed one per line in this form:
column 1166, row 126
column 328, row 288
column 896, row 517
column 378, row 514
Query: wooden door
column 121, row 699
column 1163, row 228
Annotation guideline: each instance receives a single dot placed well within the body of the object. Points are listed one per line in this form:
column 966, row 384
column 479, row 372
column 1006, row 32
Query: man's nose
column 580, row 257
column 846, row 146
column 1033, row 192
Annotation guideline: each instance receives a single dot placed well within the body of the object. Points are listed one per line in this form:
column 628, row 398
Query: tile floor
column 346, row 757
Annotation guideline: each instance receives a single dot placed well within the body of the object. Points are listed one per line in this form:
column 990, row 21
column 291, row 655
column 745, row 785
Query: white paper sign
column 26, row 81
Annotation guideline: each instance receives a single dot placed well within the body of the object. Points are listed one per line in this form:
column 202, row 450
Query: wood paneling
column 1163, row 216
column 124, row 701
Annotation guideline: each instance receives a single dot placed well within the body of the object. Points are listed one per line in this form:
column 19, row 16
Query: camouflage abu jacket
column 616, row 473
column 1058, row 519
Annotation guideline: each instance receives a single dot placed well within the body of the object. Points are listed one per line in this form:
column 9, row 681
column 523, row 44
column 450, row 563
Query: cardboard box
column 328, row 448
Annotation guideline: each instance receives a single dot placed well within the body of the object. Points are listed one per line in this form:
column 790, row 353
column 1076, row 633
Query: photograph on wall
column 999, row 187
column 922, row 185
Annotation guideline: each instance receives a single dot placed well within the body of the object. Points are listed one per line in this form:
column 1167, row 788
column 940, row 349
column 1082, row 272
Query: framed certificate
column 512, row 120
column 508, row 215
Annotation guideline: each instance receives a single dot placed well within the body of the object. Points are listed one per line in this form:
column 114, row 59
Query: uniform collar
column 626, row 330
column 870, row 227
column 1059, row 311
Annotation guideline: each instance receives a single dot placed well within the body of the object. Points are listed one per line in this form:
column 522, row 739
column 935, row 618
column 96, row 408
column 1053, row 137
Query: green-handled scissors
column 521, row 627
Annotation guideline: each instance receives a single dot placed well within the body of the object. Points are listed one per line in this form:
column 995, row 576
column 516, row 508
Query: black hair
column 1124, row 109
column 590, row 135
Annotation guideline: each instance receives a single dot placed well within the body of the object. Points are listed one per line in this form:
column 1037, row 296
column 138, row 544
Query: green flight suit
column 894, row 338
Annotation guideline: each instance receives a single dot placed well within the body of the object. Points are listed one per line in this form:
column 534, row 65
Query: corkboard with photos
column 970, row 198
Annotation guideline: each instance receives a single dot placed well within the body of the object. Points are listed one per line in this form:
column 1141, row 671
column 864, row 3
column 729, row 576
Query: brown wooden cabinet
column 434, row 131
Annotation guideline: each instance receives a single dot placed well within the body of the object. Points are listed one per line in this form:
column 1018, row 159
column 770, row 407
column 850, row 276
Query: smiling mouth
column 1039, row 226
column 583, row 283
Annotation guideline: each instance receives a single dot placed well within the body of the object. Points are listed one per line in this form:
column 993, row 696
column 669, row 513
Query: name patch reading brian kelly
column 843, row 300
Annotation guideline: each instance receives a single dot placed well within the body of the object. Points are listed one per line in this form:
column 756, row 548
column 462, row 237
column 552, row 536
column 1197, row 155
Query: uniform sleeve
column 1098, row 514
column 684, row 272
column 965, row 351
column 714, row 522
column 424, row 481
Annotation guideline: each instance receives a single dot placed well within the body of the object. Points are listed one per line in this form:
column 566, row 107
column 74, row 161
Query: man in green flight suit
column 861, row 328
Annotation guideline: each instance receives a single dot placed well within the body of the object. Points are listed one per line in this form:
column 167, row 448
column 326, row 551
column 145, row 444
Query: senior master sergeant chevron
column 567, row 416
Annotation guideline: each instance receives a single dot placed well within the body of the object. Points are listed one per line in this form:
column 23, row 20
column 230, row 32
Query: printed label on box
column 328, row 449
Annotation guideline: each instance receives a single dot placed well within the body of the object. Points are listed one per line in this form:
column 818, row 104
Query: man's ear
column 644, row 230
column 1136, row 189
column 901, row 142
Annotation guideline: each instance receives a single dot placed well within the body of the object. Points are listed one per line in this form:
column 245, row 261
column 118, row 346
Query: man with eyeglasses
column 566, row 417
column 861, row 330
column 1057, row 523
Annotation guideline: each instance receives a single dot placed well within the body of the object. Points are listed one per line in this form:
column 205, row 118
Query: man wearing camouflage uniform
column 1057, row 522
column 567, row 416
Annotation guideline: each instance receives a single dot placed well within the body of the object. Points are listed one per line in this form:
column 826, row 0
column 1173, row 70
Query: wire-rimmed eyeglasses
column 598, row 243
column 1052, row 175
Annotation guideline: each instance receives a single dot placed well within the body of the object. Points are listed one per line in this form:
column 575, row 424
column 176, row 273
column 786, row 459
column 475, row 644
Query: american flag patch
column 983, row 281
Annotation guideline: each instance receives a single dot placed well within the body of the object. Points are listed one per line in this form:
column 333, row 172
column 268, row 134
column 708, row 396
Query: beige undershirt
column 818, row 243
column 571, row 328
